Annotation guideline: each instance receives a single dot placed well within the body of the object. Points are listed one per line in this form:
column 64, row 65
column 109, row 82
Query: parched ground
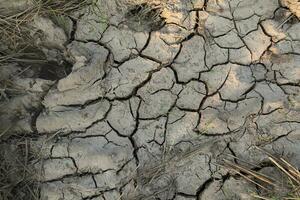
column 150, row 109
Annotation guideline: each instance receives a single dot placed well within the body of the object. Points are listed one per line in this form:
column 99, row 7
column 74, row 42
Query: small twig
column 252, row 173
column 5, row 131
column 285, row 21
column 249, row 179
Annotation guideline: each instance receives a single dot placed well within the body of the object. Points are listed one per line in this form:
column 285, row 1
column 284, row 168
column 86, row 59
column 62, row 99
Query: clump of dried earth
column 150, row 109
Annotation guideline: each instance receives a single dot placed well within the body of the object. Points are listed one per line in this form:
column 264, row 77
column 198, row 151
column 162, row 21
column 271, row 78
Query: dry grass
column 149, row 2
column 14, row 27
column 16, row 180
column 16, row 31
column 144, row 14
column 273, row 188
column 16, row 46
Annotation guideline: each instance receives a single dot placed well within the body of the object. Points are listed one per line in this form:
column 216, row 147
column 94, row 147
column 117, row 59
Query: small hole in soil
column 53, row 71
column 145, row 17
column 35, row 65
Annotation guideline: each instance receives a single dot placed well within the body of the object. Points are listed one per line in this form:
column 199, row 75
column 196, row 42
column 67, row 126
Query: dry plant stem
column 285, row 21
column 244, row 161
column 252, row 173
column 292, row 174
column 260, row 197
column 293, row 170
column 282, row 169
column 5, row 131
column 249, row 179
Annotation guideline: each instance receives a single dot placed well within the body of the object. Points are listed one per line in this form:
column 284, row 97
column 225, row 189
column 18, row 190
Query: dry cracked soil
column 149, row 109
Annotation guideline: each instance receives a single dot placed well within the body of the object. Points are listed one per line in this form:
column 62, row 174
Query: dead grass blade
column 284, row 166
column 260, row 197
column 255, row 174
column 249, row 179
column 291, row 173
column 295, row 172
column 5, row 131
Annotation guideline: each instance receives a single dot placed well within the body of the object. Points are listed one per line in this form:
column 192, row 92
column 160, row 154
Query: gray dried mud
column 151, row 114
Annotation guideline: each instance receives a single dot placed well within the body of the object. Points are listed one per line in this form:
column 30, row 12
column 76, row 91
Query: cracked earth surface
column 148, row 114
